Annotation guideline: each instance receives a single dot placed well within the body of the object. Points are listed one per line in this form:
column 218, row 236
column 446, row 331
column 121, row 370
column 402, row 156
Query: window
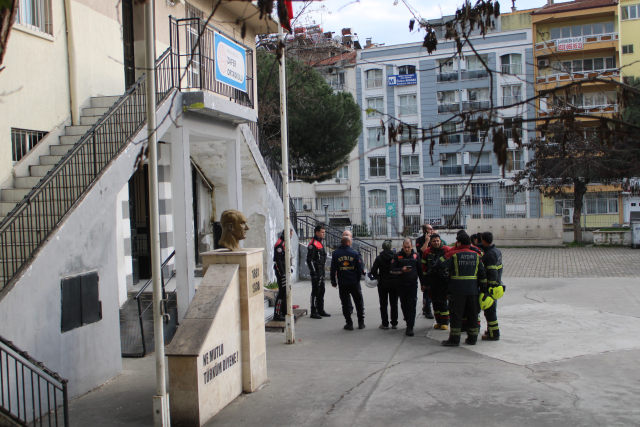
column 578, row 65
column 407, row 69
column 450, row 191
column 405, row 133
column 377, row 198
column 336, row 80
column 411, row 196
column 412, row 224
column 512, row 63
column 447, row 102
column 379, row 225
column 376, row 139
column 483, row 166
column 446, row 71
column 340, row 203
column 560, row 204
column 512, row 125
column 515, row 160
column 36, row 15
column 630, row 12
column 475, row 68
column 583, row 30
column 480, row 190
column 600, row 204
column 297, row 203
column 411, row 165
column 80, row 301
column 449, row 129
column 595, row 99
column 374, row 79
column 408, row 105
column 511, row 94
column 627, row 48
column 342, row 173
column 450, row 165
column 474, row 63
column 476, row 99
column 376, row 104
column 377, row 167
column 22, row 141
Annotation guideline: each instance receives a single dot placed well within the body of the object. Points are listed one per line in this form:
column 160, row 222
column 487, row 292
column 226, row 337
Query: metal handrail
column 32, row 220
column 150, row 280
column 32, row 403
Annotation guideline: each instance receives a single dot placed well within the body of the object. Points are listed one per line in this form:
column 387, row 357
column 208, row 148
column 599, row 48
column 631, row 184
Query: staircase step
column 49, row 160
column 26, row 182
column 103, row 101
column 6, row 207
column 39, row 170
column 24, row 236
column 76, row 130
column 94, row 111
column 60, row 150
column 13, row 194
column 89, row 120
column 69, row 139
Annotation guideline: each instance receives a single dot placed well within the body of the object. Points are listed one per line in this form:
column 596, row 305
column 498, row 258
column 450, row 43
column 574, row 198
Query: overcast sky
column 386, row 23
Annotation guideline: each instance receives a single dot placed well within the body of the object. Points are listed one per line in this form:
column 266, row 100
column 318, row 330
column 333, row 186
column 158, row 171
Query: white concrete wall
column 520, row 232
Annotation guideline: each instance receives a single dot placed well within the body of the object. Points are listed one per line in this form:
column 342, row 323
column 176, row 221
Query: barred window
column 23, row 140
column 35, row 15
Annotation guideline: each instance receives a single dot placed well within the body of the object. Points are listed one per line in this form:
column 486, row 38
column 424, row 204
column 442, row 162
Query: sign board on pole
column 231, row 63
column 403, row 80
column 391, row 210
column 571, row 43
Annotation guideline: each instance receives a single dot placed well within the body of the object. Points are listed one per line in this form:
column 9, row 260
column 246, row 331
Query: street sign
column 231, row 60
column 391, row 210
column 403, row 80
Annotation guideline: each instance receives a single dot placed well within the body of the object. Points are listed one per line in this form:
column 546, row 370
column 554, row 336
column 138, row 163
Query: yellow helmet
column 496, row 292
column 485, row 301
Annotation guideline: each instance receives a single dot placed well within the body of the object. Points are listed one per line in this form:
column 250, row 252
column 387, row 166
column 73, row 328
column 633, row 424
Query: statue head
column 234, row 228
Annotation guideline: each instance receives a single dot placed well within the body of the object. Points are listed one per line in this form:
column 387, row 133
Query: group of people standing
column 459, row 281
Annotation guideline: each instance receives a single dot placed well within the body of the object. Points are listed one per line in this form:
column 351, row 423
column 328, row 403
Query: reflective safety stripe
column 494, row 267
column 463, row 277
column 477, row 265
column 455, row 331
column 483, row 280
column 455, row 263
column 493, row 328
column 472, row 331
column 424, row 261
column 444, row 313
column 493, row 323
column 493, row 282
column 442, row 259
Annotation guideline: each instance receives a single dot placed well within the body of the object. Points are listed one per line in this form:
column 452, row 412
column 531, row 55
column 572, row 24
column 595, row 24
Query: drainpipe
column 71, row 56
column 160, row 400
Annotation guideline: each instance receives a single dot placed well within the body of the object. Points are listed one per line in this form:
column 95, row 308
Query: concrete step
column 98, row 111
column 103, row 101
column 49, row 160
column 26, row 182
column 5, row 207
column 60, row 150
column 13, row 194
column 76, row 130
column 69, row 139
column 89, row 120
column 39, row 170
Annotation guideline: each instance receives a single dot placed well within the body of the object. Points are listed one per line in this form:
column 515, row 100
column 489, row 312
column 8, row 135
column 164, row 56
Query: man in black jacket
column 408, row 268
column 279, row 264
column 316, row 261
column 492, row 261
column 422, row 243
column 346, row 267
column 387, row 292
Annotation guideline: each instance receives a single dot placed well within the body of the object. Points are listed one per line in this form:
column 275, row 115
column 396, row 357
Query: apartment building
column 629, row 32
column 426, row 91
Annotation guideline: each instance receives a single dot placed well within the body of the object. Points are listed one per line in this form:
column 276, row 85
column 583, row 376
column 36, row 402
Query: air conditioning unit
column 543, row 63
column 567, row 216
column 306, row 207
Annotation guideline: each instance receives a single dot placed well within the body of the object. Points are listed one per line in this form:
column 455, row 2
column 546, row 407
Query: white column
column 182, row 208
column 234, row 172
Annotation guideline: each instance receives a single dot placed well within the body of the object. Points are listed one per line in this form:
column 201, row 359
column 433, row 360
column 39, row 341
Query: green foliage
column 360, row 230
column 5, row 4
column 576, row 244
column 272, row 285
column 323, row 126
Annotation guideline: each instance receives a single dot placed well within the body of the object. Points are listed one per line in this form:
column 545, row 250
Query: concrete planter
column 622, row 237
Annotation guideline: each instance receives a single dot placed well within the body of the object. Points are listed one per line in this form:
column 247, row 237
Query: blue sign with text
column 231, row 63
column 403, row 80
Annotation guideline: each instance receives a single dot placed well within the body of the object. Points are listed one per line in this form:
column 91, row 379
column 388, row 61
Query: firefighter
column 316, row 261
column 437, row 283
column 406, row 264
column 280, row 309
column 467, row 277
column 422, row 243
column 346, row 271
column 492, row 261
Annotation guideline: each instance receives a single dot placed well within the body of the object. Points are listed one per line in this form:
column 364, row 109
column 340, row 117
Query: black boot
column 453, row 341
column 361, row 324
column 314, row 309
column 409, row 332
column 428, row 313
column 321, row 311
column 471, row 339
column 349, row 326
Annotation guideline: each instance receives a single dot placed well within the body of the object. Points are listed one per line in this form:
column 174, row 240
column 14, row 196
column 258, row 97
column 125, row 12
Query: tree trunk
column 7, row 17
column 579, row 190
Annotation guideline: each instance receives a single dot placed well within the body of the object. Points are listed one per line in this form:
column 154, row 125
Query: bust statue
column 234, row 228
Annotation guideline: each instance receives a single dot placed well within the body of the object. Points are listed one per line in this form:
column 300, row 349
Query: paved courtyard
column 568, row 356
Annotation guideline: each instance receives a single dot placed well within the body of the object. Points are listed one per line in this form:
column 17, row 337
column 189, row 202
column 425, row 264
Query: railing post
column 144, row 346
column 65, row 404
column 95, row 156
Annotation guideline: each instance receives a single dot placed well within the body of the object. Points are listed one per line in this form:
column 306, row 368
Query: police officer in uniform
column 467, row 277
column 346, row 266
column 408, row 268
column 279, row 266
column 438, row 284
column 492, row 261
column 316, row 261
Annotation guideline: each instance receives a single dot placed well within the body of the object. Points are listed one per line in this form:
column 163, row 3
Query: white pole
column 289, row 319
column 160, row 404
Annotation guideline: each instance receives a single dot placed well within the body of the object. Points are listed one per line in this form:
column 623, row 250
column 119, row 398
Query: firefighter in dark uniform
column 316, row 261
column 408, row 268
column 346, row 271
column 279, row 265
column 492, row 261
column 438, row 284
column 467, row 279
column 422, row 243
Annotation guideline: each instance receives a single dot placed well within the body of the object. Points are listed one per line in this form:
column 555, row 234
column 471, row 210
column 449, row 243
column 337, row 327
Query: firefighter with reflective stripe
column 467, row 277
column 408, row 268
column 480, row 252
column 492, row 261
column 316, row 261
column 437, row 283
column 279, row 265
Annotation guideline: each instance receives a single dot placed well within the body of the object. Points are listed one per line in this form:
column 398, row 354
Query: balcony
column 510, row 133
column 450, row 170
column 480, row 73
column 471, row 137
column 450, row 139
column 511, row 100
column 517, row 165
column 476, row 200
column 468, row 169
column 337, row 86
column 447, row 77
column 448, row 108
column 580, row 75
column 475, row 105
column 512, row 68
column 551, row 46
column 373, row 83
column 590, row 109
column 336, row 185
column 449, row 201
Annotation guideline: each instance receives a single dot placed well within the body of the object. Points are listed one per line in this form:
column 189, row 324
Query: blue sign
column 391, row 210
column 403, row 80
column 231, row 63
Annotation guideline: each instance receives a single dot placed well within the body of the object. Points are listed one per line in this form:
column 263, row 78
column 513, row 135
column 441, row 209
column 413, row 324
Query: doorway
column 140, row 224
